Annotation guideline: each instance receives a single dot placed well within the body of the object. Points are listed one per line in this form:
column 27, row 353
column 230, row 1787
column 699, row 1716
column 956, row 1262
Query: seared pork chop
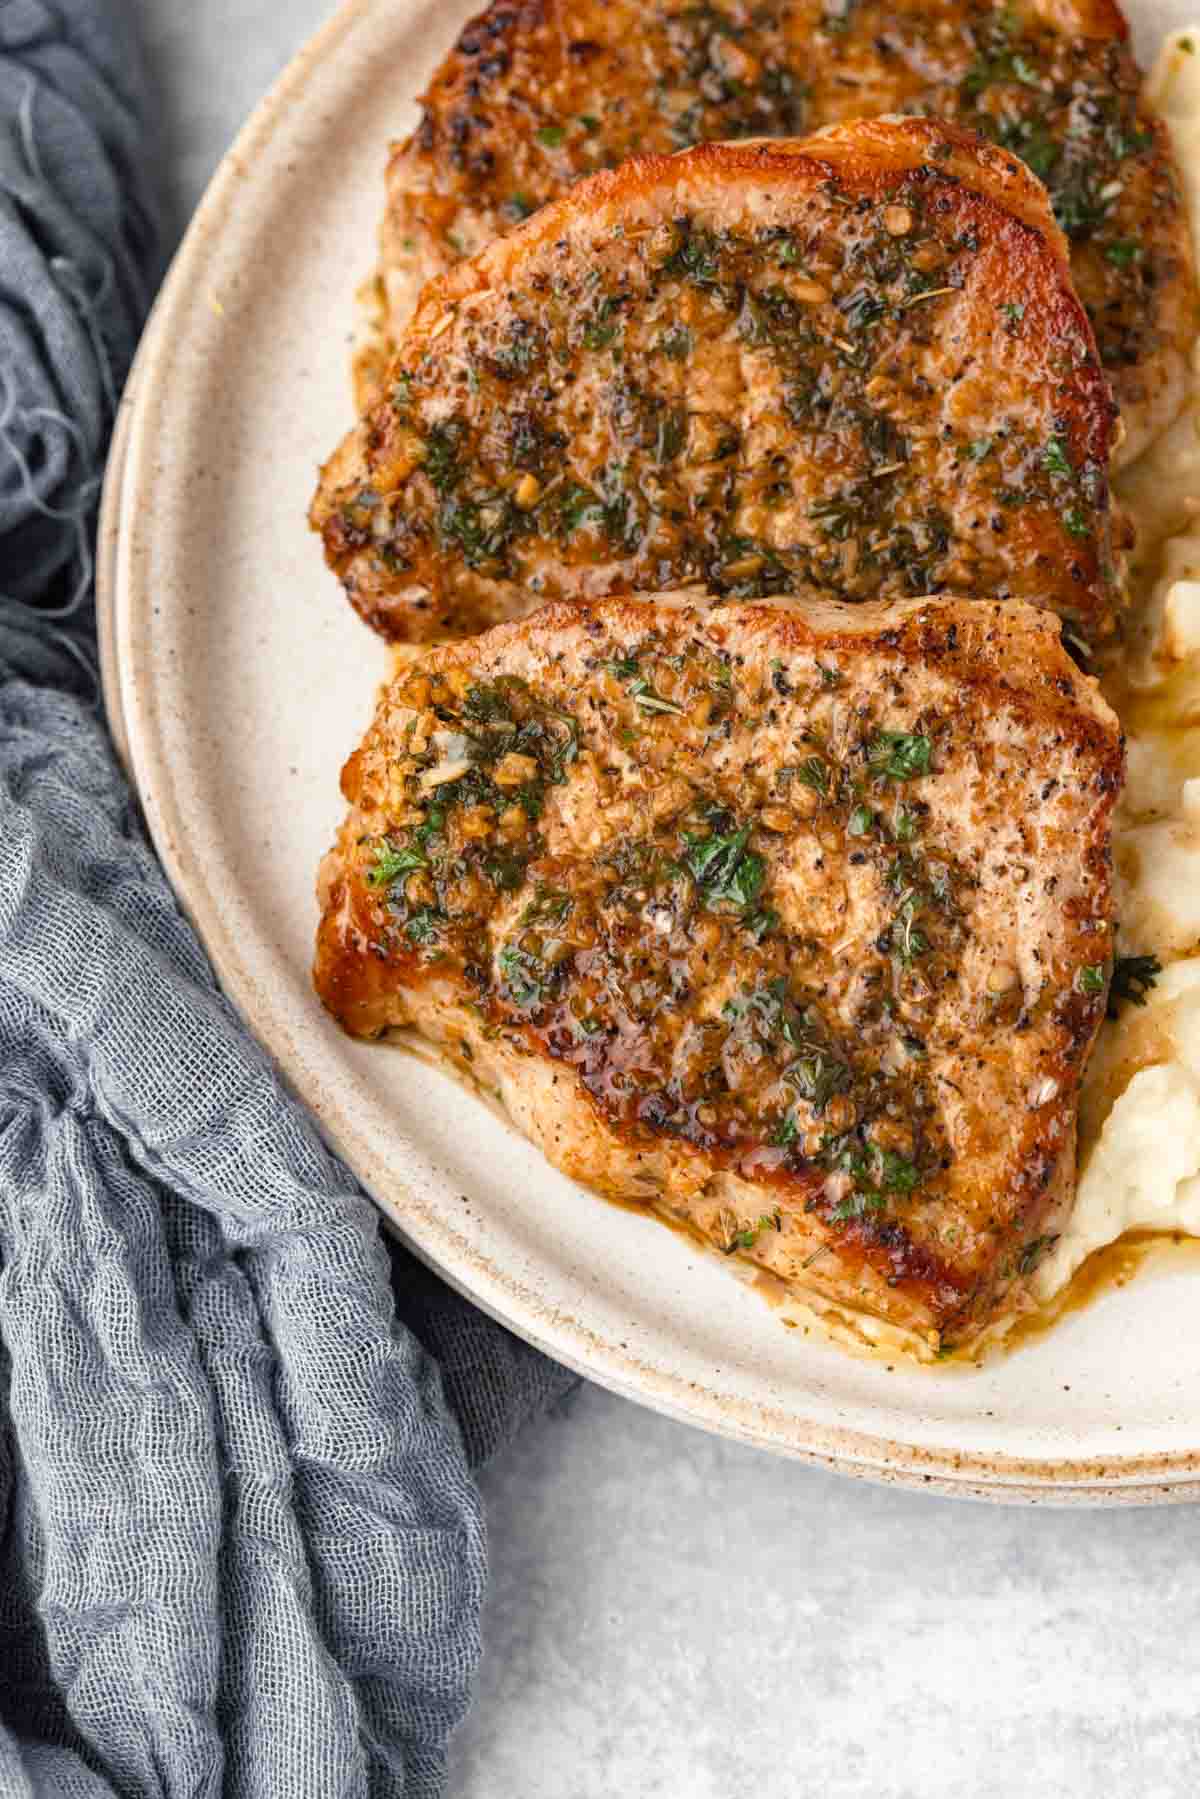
column 792, row 923
column 537, row 93
column 853, row 367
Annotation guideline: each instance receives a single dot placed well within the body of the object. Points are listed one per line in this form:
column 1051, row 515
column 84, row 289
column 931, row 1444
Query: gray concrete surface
column 673, row 1617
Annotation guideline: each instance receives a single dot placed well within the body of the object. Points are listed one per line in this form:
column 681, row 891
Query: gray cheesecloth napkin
column 242, row 1552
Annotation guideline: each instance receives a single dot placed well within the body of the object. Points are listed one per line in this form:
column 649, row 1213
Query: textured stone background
column 673, row 1617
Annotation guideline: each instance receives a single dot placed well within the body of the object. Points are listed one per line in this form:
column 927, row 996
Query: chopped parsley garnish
column 857, row 1203
column 443, row 447
column 579, row 505
column 861, row 821
column 423, row 925
column 1080, row 205
column 524, row 975
column 1055, row 457
column 895, row 1174
column 1124, row 252
column 1092, row 978
column 549, row 905
column 1014, row 312
column 726, row 872
column 818, row 1069
column 920, row 887
column 908, row 941
column 481, row 530
column 601, row 328
column 744, row 1236
column 839, row 514
column 862, row 309
column 761, row 922
column 433, row 826
column 641, row 690
column 551, row 737
column 491, row 720
column 876, row 1173
column 390, row 863
column 817, row 1075
column 552, row 136
column 1033, row 143
column 644, row 696
column 1132, row 979
column 1075, row 520
column 898, row 756
column 697, row 258
column 814, row 773
column 491, row 703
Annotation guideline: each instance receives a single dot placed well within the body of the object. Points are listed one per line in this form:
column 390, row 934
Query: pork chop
column 537, row 93
column 794, row 924
column 852, row 367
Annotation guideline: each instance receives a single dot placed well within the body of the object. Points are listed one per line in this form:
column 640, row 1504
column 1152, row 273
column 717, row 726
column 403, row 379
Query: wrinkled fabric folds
column 241, row 1551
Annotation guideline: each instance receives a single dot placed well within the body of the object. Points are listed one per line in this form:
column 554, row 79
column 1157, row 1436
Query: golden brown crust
column 537, row 93
column 793, row 922
column 851, row 366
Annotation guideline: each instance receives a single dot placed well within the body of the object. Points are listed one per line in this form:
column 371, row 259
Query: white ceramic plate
column 238, row 680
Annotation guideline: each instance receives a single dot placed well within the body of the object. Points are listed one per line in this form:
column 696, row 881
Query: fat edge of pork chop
column 853, row 366
column 536, row 94
column 792, row 923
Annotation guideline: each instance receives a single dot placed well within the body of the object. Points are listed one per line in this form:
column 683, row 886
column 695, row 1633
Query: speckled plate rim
column 123, row 610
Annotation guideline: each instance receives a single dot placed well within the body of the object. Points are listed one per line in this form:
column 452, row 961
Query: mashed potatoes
column 1140, row 1112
